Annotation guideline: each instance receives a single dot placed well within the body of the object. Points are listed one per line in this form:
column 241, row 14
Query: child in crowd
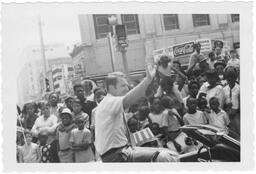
column 45, row 149
column 174, row 122
column 142, row 116
column 174, row 119
column 211, row 88
column 202, row 104
column 217, row 117
column 78, row 113
column 80, row 139
column 193, row 116
column 133, row 124
column 157, row 115
column 29, row 152
column 69, row 103
column 63, row 135
column 193, row 88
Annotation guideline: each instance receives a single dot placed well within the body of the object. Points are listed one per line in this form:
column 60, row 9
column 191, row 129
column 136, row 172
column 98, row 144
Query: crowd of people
column 99, row 124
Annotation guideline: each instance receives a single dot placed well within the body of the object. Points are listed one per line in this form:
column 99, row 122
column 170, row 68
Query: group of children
column 71, row 133
column 209, row 102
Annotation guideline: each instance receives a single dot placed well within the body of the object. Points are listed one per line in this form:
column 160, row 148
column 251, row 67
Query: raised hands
column 150, row 68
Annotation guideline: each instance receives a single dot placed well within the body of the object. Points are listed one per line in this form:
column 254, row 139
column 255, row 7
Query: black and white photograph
column 104, row 85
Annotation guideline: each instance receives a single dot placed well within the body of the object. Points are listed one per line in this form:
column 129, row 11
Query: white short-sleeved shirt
column 81, row 137
column 217, row 92
column 173, row 122
column 30, row 154
column 50, row 124
column 219, row 120
column 232, row 96
column 196, row 118
column 234, row 62
column 161, row 119
column 110, row 131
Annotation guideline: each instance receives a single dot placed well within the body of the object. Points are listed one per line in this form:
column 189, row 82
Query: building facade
column 60, row 75
column 29, row 87
column 146, row 32
column 31, row 81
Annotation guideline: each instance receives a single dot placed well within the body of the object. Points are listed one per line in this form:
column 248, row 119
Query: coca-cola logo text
column 184, row 49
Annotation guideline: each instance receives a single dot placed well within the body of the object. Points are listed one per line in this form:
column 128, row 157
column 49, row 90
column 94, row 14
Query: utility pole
column 42, row 51
column 111, row 50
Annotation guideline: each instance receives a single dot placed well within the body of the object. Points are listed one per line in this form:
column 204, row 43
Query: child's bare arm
column 38, row 154
column 21, row 157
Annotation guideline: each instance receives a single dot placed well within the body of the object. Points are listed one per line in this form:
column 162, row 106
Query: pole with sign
column 122, row 44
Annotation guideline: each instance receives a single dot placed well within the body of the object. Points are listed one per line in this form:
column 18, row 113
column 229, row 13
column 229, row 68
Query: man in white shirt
column 111, row 132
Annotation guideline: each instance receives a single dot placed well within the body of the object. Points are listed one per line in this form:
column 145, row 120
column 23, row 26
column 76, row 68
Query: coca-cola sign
column 183, row 49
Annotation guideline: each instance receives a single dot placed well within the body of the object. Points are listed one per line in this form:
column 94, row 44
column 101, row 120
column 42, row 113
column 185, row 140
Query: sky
column 20, row 28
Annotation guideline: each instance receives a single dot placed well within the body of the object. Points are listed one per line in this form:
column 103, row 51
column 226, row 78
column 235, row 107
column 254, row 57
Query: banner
column 183, row 49
column 186, row 48
column 206, row 45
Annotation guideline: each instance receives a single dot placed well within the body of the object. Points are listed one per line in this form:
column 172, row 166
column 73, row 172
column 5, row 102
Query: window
column 200, row 19
column 102, row 28
column 235, row 17
column 131, row 22
column 70, row 69
column 171, row 21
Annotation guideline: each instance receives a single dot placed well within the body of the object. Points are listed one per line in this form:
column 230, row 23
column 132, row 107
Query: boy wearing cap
column 63, row 135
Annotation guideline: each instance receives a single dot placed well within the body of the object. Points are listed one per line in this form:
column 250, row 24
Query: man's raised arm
column 139, row 91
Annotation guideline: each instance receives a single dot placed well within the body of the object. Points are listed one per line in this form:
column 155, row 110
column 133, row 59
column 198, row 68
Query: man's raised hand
column 150, row 68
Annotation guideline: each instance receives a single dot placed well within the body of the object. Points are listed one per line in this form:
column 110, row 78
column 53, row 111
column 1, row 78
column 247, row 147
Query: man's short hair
column 177, row 62
column 77, row 86
column 112, row 79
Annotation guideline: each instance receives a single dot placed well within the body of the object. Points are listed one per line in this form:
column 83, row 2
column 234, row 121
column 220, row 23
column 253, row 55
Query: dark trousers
column 54, row 152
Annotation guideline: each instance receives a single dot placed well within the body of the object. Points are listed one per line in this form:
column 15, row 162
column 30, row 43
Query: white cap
column 66, row 111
